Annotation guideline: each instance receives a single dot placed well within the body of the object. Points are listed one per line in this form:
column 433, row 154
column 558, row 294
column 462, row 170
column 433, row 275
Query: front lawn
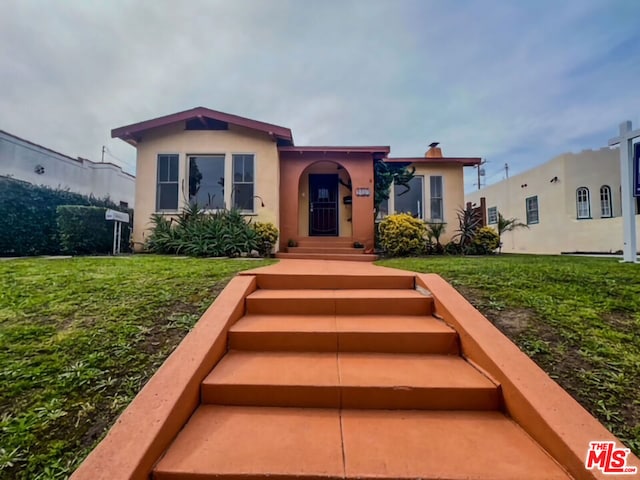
column 577, row 317
column 79, row 338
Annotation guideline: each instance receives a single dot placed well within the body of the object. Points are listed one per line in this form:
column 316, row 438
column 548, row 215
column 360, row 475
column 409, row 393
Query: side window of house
column 243, row 182
column 532, row 210
column 492, row 215
column 583, row 207
column 435, row 184
column 206, row 181
column 605, row 202
column 167, row 183
column 411, row 201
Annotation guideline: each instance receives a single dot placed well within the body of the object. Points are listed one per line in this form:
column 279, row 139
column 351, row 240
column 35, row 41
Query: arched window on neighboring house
column 606, row 209
column 582, row 203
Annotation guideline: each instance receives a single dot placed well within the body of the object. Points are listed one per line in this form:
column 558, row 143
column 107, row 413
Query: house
column 317, row 196
column 33, row 163
column 571, row 203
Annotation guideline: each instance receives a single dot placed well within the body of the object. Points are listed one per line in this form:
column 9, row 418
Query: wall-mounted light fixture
column 39, row 169
column 524, row 185
column 553, row 180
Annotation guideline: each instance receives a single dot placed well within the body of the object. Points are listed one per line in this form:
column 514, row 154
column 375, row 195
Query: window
column 206, row 181
column 436, row 198
column 243, row 182
column 492, row 215
column 532, row 210
column 605, row 201
column 582, row 203
column 411, row 201
column 167, row 187
column 383, row 209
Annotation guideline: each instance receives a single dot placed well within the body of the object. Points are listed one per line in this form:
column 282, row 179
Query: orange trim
column 153, row 419
column 541, row 407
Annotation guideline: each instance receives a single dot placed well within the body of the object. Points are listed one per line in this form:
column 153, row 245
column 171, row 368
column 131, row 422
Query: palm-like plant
column 469, row 222
column 507, row 225
column 435, row 230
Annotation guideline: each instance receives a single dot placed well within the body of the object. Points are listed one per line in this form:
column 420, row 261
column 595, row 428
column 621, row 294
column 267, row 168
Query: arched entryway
column 325, row 201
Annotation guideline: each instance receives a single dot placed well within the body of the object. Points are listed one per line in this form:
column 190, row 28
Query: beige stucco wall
column 174, row 139
column 558, row 229
column 344, row 211
column 453, row 194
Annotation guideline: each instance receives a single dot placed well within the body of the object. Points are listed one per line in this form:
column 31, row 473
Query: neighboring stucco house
column 572, row 203
column 311, row 193
column 33, row 163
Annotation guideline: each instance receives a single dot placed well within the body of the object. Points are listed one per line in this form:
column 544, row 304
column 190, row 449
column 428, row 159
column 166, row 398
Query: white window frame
column 583, row 203
column 530, row 211
column 606, row 202
column 492, row 219
column 392, row 198
column 158, row 182
column 233, row 182
column 441, row 198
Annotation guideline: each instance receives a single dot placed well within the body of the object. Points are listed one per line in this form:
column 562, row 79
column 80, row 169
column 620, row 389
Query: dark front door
column 323, row 205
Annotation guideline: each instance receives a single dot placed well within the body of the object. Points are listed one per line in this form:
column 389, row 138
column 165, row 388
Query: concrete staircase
column 332, row 376
column 326, row 248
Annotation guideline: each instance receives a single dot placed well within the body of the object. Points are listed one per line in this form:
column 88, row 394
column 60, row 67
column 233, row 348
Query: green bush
column 267, row 236
column 485, row 241
column 402, row 234
column 28, row 224
column 200, row 234
column 84, row 230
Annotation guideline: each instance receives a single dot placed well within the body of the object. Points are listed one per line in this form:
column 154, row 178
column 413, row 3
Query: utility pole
column 103, row 150
column 506, row 170
column 480, row 172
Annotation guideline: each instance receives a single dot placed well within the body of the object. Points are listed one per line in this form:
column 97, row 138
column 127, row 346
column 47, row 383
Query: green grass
column 577, row 317
column 79, row 338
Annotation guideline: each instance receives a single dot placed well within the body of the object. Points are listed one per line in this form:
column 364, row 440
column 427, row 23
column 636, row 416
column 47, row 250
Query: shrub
column 435, row 230
column 28, row 224
column 402, row 234
column 200, row 234
column 469, row 222
column 485, row 241
column 84, row 230
column 452, row 248
column 267, row 236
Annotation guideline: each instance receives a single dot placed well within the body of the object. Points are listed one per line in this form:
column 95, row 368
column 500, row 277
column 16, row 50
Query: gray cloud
column 510, row 81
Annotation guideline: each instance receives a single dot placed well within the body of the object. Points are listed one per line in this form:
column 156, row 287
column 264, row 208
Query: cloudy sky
column 515, row 82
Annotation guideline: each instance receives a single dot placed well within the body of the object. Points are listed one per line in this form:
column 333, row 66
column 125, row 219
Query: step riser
column 326, row 242
column 356, row 257
column 325, row 249
column 331, row 282
column 352, row 397
column 383, row 342
column 340, row 306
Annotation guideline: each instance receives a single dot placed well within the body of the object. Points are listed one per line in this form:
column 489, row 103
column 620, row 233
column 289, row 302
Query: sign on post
column 636, row 171
column 118, row 219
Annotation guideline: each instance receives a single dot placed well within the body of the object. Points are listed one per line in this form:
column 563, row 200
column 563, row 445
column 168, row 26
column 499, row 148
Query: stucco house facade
column 572, row 203
column 319, row 193
column 27, row 161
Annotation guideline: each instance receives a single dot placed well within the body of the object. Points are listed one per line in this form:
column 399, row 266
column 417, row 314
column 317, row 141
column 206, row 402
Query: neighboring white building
column 33, row 163
column 572, row 203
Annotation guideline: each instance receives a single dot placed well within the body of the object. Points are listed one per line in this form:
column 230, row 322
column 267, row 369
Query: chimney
column 434, row 151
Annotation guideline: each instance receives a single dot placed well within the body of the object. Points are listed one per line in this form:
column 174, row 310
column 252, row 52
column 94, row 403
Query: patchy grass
column 577, row 317
column 79, row 338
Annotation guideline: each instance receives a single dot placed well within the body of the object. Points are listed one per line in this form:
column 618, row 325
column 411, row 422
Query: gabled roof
column 132, row 133
column 464, row 161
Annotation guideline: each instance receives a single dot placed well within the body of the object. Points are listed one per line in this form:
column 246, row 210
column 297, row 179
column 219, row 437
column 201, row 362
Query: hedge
column 84, row 230
column 28, row 217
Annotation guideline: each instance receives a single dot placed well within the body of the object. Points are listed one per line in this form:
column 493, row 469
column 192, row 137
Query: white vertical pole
column 119, row 235
column 115, row 229
column 628, row 204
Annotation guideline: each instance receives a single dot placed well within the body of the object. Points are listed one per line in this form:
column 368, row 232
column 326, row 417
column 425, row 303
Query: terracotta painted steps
column 339, row 302
column 344, row 333
column 332, row 383
column 349, row 257
column 325, row 249
column 278, row 443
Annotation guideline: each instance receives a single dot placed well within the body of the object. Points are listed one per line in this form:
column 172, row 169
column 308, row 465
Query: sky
column 515, row 82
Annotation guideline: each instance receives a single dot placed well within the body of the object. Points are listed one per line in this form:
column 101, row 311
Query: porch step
column 325, row 249
column 331, row 281
column 349, row 380
column 332, row 242
column 349, row 257
column 253, row 443
column 339, row 302
column 343, row 333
